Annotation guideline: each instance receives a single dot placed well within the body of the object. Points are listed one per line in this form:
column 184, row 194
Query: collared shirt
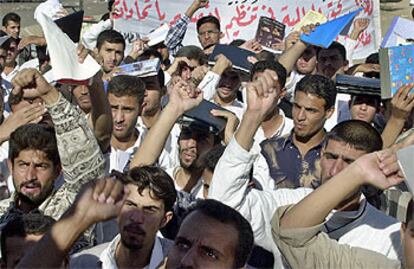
column 10, row 75
column 287, row 166
column 119, row 159
column 107, row 258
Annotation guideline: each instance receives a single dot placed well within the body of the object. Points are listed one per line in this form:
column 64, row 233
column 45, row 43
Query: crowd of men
column 110, row 175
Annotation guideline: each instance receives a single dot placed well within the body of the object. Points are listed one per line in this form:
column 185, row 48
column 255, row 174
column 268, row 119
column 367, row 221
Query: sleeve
column 89, row 37
column 311, row 248
column 80, row 155
column 176, row 34
column 208, row 84
column 349, row 45
column 230, row 186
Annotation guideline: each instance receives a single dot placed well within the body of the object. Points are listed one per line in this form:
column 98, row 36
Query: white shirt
column 118, row 159
column 230, row 186
column 108, row 260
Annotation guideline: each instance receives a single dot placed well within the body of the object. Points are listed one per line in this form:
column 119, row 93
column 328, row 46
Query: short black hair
column 335, row 45
column 319, row 86
column 208, row 19
column 22, row 225
column 10, row 17
column 159, row 183
column 192, row 53
column 110, row 36
column 357, row 134
column 280, row 70
column 125, row 85
column 34, row 137
column 227, row 215
column 210, row 159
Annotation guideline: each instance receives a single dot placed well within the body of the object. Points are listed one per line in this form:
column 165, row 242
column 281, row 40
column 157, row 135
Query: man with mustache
column 38, row 154
column 126, row 95
column 147, row 207
column 192, row 143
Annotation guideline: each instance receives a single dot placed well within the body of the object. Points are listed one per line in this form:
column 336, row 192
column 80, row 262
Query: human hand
column 402, row 102
column 361, row 24
column 31, row 84
column 380, row 169
column 199, row 73
column 138, row 48
column 29, row 114
column 231, row 125
column 100, row 200
column 184, row 96
column 252, row 45
column 291, row 39
column 31, row 40
column 198, row 4
column 222, row 64
column 263, row 93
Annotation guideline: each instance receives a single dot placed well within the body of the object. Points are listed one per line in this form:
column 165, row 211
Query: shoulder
column 87, row 258
column 166, row 244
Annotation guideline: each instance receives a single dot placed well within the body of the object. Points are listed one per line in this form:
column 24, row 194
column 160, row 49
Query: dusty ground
column 97, row 7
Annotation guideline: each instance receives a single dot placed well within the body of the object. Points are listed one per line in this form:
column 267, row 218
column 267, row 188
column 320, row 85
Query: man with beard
column 125, row 95
column 355, row 222
column 192, row 143
column 38, row 154
column 147, row 207
column 11, row 66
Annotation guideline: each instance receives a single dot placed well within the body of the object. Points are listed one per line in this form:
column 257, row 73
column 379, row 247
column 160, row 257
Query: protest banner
column 239, row 18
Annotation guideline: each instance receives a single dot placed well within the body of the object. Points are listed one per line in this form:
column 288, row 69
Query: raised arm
column 80, row 156
column 183, row 97
column 379, row 169
column 101, row 200
column 101, row 113
column 402, row 104
column 176, row 34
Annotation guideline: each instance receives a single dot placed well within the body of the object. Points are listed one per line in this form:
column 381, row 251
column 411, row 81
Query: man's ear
column 9, row 165
column 402, row 231
column 167, row 217
column 329, row 112
column 282, row 92
column 221, row 35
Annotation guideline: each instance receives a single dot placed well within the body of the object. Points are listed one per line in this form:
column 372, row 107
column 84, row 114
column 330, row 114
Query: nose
column 119, row 116
column 337, row 167
column 30, row 173
column 189, row 260
column 364, row 106
column 84, row 90
column 302, row 114
column 137, row 216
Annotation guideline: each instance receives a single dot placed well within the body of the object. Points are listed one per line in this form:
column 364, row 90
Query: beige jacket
column 311, row 248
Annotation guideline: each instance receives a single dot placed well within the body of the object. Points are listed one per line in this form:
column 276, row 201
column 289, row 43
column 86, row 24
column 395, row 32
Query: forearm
column 101, row 114
column 314, row 208
column 80, row 156
column 247, row 129
column 391, row 131
column 290, row 56
column 154, row 141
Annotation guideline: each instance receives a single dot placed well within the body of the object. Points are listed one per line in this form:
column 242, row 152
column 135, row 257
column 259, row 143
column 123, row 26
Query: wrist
column 218, row 69
column 191, row 10
column 173, row 110
column 52, row 97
